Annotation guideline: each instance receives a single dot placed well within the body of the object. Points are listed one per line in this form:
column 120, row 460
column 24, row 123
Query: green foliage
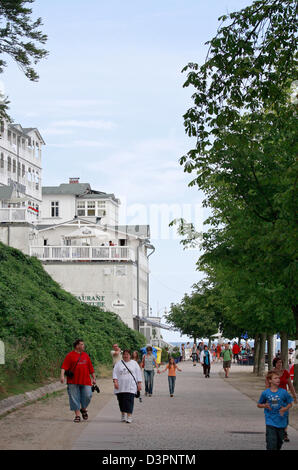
column 20, row 36
column 245, row 161
column 198, row 314
column 39, row 321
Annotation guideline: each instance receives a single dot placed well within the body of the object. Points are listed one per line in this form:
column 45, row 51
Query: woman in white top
column 127, row 380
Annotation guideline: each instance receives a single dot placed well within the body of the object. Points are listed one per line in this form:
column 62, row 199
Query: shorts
column 226, row 364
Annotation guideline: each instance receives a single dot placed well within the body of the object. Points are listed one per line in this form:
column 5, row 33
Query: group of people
column 127, row 381
column 127, row 378
column 204, row 356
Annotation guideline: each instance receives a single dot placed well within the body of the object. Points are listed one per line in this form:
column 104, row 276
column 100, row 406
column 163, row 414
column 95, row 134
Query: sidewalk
column 204, row 414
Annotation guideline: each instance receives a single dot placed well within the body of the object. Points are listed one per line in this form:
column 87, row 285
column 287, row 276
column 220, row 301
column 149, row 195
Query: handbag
column 70, row 373
column 137, row 395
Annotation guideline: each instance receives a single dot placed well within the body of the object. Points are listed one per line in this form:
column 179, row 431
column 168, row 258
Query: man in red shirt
column 79, row 385
column 236, row 351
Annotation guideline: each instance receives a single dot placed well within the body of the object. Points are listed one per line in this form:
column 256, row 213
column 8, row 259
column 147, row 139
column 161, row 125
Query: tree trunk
column 284, row 349
column 270, row 341
column 256, row 353
column 261, row 361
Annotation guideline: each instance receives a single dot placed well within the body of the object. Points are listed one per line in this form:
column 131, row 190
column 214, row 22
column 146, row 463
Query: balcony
column 82, row 253
column 18, row 215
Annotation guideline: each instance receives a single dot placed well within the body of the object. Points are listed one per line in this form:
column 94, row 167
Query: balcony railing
column 17, row 215
column 82, row 253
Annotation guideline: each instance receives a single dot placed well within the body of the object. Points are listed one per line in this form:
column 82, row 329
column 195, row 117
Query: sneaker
column 123, row 419
column 286, row 437
column 129, row 419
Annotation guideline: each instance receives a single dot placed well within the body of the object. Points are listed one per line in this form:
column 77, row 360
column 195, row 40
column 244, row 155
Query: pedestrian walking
column 218, row 352
column 285, row 383
column 135, row 357
column 77, row 367
column 183, row 351
column 276, row 403
column 127, row 379
column 227, row 359
column 236, row 351
column 194, row 354
column 171, row 367
column 148, row 363
column 116, row 354
column 206, row 360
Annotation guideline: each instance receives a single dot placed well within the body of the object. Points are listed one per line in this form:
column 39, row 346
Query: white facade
column 100, row 265
column 73, row 230
column 62, row 203
column 20, row 173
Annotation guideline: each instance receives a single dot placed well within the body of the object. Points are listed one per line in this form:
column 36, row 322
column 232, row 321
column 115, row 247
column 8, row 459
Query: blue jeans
column 149, row 377
column 172, row 381
column 79, row 396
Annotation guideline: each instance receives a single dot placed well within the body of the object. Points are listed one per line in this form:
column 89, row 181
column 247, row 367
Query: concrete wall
column 17, row 235
column 109, row 285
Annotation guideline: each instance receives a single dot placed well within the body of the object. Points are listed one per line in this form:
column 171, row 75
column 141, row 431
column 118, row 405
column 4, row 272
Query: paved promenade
column 204, row 414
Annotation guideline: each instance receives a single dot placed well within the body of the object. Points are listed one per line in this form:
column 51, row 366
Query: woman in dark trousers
column 205, row 360
column 127, row 378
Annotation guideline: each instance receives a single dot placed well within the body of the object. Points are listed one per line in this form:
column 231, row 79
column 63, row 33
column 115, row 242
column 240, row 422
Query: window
column 2, row 161
column 23, row 170
column 55, row 209
column 14, row 166
column 2, row 127
column 81, row 208
column 8, row 164
column 91, row 208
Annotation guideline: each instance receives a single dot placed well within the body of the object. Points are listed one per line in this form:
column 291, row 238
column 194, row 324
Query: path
column 204, row 414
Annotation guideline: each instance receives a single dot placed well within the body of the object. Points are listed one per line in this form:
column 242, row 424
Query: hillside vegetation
column 39, row 322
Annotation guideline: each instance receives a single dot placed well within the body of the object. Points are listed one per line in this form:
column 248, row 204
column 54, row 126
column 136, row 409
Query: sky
column 109, row 104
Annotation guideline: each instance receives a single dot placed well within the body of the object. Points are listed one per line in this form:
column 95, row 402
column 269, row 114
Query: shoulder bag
column 137, row 395
column 70, row 373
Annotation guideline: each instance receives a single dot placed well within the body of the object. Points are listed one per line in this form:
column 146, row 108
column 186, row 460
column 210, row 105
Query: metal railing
column 17, row 215
column 82, row 253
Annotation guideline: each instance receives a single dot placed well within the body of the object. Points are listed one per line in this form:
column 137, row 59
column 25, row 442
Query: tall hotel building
column 74, row 230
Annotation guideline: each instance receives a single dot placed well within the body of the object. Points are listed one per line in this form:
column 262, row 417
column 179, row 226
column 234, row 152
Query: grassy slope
column 39, row 322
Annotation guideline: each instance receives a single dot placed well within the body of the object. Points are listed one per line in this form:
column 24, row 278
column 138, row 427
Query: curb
column 17, row 401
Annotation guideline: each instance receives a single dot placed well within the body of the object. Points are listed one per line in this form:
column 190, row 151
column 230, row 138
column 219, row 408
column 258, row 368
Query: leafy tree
column 244, row 121
column 20, row 38
column 197, row 315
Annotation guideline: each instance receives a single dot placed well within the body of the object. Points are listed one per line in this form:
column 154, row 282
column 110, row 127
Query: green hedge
column 39, row 321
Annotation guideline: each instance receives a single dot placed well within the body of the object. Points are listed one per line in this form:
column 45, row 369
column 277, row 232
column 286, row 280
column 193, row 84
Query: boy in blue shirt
column 276, row 403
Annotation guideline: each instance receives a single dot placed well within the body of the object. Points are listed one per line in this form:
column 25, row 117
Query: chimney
column 74, row 180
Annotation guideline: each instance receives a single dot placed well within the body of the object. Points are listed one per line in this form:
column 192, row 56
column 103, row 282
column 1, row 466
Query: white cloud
column 54, row 131
column 98, row 124
column 81, row 143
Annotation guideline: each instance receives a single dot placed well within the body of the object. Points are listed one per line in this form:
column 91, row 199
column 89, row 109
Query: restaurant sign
column 96, row 300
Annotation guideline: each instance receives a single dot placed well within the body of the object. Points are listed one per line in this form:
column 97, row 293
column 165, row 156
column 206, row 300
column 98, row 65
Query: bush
column 39, row 321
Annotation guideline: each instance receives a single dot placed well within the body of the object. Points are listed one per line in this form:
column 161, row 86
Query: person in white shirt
column 116, row 354
column 127, row 380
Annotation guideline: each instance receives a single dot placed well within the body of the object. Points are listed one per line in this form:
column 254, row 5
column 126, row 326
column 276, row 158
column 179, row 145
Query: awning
column 154, row 323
